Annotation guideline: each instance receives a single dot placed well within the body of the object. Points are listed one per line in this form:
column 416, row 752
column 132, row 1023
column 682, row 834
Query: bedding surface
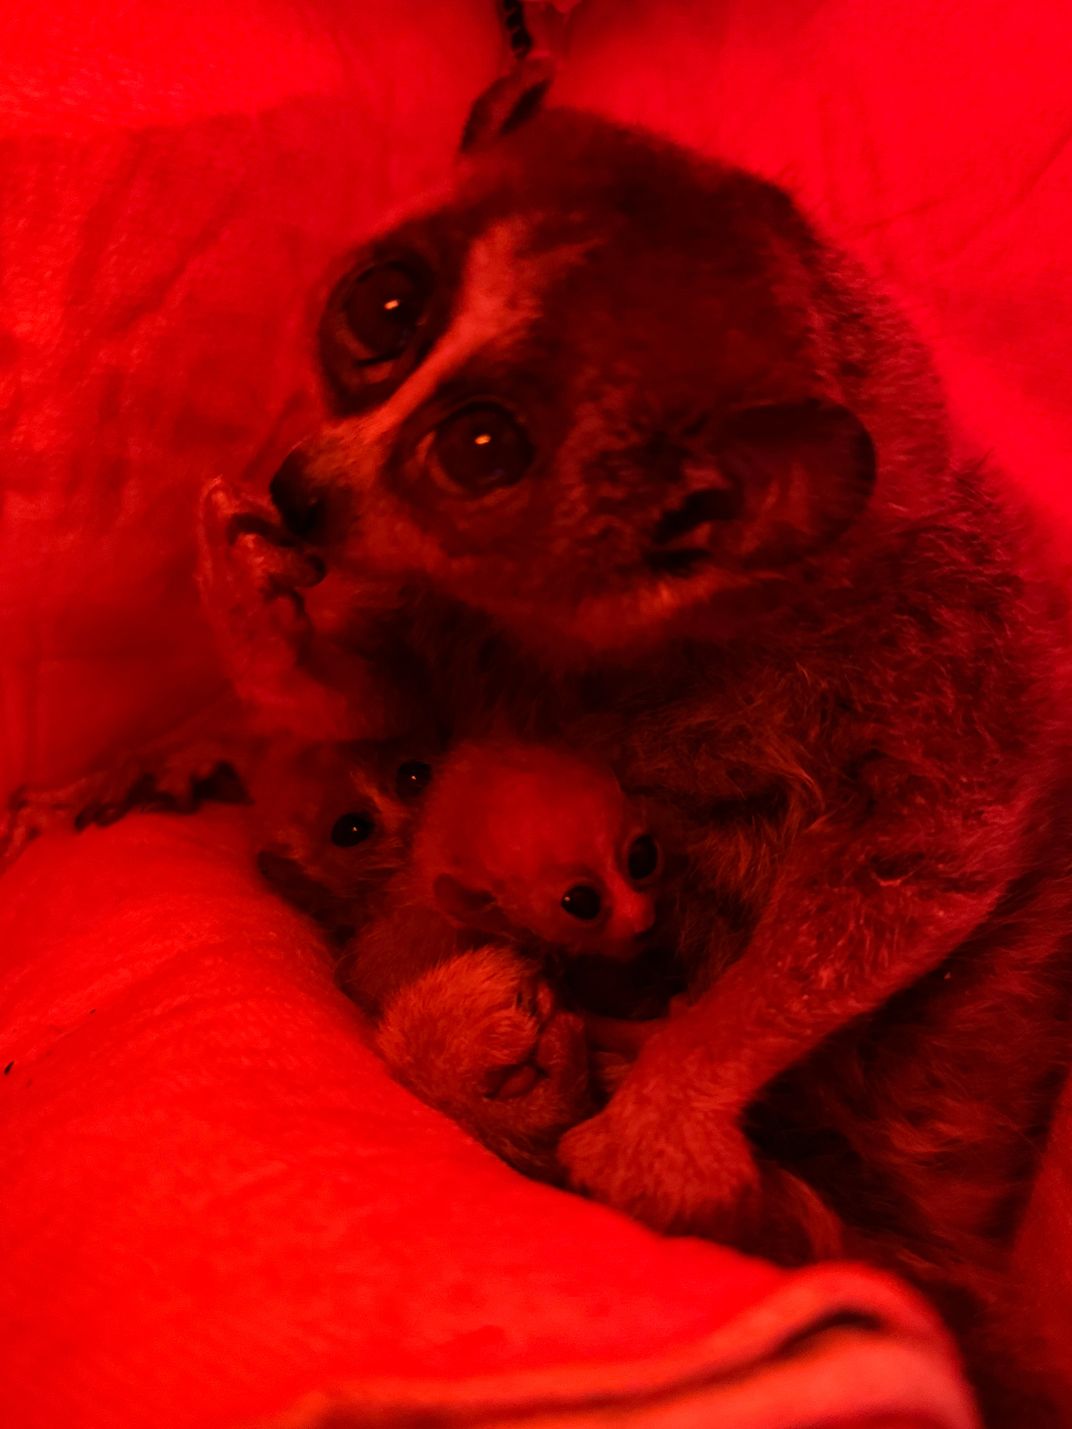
column 219, row 1210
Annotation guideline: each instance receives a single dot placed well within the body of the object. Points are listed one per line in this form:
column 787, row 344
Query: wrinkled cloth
column 218, row 1208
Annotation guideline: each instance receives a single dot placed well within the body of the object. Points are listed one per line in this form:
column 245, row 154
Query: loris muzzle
column 601, row 387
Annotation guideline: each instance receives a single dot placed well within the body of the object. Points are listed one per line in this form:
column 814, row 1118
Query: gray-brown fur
column 747, row 567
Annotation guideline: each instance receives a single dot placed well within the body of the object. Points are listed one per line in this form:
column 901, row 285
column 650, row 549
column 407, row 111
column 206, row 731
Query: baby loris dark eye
column 480, row 448
column 642, row 860
column 412, row 778
column 582, row 901
column 383, row 308
column 352, row 829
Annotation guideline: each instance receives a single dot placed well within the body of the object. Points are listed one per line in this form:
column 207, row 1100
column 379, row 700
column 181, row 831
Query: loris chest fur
column 624, row 411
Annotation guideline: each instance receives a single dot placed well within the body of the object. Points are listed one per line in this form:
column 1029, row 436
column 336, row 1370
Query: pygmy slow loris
column 624, row 412
column 332, row 821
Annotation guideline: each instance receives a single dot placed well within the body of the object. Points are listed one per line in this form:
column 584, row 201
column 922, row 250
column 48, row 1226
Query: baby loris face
column 333, row 822
column 532, row 843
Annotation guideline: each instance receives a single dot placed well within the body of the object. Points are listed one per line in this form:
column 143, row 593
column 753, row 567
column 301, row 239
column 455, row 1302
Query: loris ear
column 473, row 908
column 507, row 104
column 803, row 473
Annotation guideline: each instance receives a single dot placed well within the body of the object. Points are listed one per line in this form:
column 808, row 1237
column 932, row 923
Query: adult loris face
column 597, row 390
column 333, row 822
column 527, row 842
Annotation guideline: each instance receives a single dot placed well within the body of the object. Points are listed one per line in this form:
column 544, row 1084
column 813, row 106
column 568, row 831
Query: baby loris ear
column 507, row 104
column 804, row 473
column 467, row 907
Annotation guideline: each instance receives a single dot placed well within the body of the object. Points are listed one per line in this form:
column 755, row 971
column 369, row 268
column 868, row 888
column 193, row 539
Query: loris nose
column 296, row 498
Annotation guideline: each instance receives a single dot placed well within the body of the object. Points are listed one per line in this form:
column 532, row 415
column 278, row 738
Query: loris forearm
column 858, row 910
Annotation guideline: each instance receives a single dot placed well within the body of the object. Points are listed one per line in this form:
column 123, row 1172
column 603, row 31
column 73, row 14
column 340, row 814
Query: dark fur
column 748, row 569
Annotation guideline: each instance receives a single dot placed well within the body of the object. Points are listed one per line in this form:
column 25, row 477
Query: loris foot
column 483, row 1038
column 194, row 761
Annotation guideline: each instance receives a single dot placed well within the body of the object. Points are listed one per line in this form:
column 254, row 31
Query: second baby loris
column 459, row 885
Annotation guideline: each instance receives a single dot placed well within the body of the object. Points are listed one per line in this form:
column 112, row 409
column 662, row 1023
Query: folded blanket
column 219, row 1210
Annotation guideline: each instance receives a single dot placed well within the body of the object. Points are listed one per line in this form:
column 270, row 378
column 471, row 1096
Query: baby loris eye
column 642, row 859
column 583, row 902
column 412, row 778
column 352, row 829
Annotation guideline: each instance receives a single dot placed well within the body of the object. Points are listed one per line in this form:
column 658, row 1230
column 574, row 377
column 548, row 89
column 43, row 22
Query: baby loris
column 333, row 820
column 470, row 884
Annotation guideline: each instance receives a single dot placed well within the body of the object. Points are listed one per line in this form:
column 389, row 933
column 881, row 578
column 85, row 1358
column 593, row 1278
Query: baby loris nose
column 634, row 915
column 296, row 498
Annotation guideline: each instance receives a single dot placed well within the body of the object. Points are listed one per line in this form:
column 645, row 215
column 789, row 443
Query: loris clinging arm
column 700, row 474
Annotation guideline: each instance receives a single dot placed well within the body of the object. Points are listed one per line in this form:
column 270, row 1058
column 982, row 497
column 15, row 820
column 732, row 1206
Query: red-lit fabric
column 176, row 180
column 215, row 1202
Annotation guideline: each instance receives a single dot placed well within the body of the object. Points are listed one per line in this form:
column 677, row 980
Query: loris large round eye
column 582, row 901
column 349, row 830
column 480, row 448
column 413, row 778
column 383, row 309
column 642, row 860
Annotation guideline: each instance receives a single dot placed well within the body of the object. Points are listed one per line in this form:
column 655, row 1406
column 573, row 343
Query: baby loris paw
column 483, row 1038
